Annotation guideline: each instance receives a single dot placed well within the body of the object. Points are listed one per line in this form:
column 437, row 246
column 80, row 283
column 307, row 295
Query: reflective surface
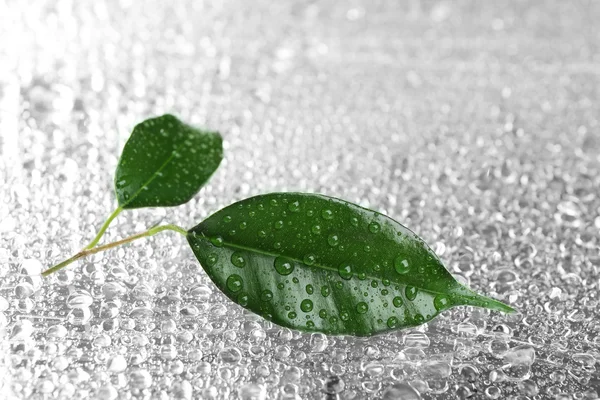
column 475, row 126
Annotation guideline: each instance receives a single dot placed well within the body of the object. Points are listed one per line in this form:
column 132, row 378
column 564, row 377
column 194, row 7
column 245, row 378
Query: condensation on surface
column 474, row 124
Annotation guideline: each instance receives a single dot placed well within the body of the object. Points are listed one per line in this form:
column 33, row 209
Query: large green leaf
column 316, row 263
column 165, row 163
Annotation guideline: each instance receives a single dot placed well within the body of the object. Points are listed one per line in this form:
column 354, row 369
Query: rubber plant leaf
column 165, row 162
column 316, row 263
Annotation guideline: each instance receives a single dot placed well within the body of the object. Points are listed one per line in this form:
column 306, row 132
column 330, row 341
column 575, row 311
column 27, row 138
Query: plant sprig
column 303, row 261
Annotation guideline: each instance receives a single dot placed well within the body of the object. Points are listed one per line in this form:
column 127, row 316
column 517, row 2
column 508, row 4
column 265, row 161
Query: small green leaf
column 165, row 163
column 316, row 263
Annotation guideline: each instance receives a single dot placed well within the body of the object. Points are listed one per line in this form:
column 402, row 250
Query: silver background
column 473, row 123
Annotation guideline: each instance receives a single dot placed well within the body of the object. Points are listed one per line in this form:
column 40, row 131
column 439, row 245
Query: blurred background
column 476, row 124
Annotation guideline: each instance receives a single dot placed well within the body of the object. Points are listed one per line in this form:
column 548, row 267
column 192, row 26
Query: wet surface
column 477, row 127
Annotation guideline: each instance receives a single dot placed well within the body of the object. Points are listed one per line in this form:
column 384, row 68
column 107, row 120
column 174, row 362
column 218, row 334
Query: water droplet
column 345, row 271
column 401, row 265
column 80, row 298
column 243, row 300
column 79, row 316
column 309, row 259
column 212, row 259
column 401, row 391
column 416, row 340
column 243, row 225
column 294, row 206
column 309, row 289
column 362, row 307
column 266, row 295
column 333, row 240
column 262, row 234
column 278, row 224
column 140, row 379
column 237, row 259
column 344, row 315
column 398, row 302
column 316, row 229
column 230, row 355
column 284, row 266
column 334, row 385
column 292, row 315
column 411, row 292
column 306, row 305
column 116, row 364
column 323, row 313
column 354, row 221
column 327, row 214
column 374, row 227
column 325, row 291
column 441, row 302
column 227, row 219
column 392, row 322
column 217, row 241
column 234, row 283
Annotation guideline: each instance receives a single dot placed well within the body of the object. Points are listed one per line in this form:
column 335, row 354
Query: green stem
column 86, row 252
column 103, row 228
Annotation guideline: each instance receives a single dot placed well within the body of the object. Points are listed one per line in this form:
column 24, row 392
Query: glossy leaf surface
column 316, row 263
column 165, row 163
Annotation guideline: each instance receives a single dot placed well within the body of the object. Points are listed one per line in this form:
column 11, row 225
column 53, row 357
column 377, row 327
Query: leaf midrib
column 154, row 175
column 301, row 262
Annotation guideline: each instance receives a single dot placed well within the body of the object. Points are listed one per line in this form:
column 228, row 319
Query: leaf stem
column 103, row 228
column 87, row 251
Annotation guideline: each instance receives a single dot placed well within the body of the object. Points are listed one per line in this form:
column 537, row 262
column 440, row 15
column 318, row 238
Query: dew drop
column 309, row 259
column 278, row 224
column 292, row 315
column 401, row 265
column 323, row 313
column 237, row 259
column 325, row 291
column 374, row 227
column 217, row 241
column 362, row 307
column 310, row 289
column 316, row 229
column 411, row 292
column 333, row 240
column 354, row 221
column 227, row 219
column 441, row 302
column 262, row 234
column 212, row 259
column 392, row 322
column 294, row 206
column 234, row 283
column 398, row 302
column 306, row 305
column 345, row 271
column 266, row 295
column 344, row 315
column 284, row 266
column 243, row 300
column 327, row 214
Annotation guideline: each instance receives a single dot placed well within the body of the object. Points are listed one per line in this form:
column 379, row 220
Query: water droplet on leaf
column 284, row 266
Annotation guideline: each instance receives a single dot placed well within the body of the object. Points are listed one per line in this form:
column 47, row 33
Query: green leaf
column 316, row 263
column 165, row 163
